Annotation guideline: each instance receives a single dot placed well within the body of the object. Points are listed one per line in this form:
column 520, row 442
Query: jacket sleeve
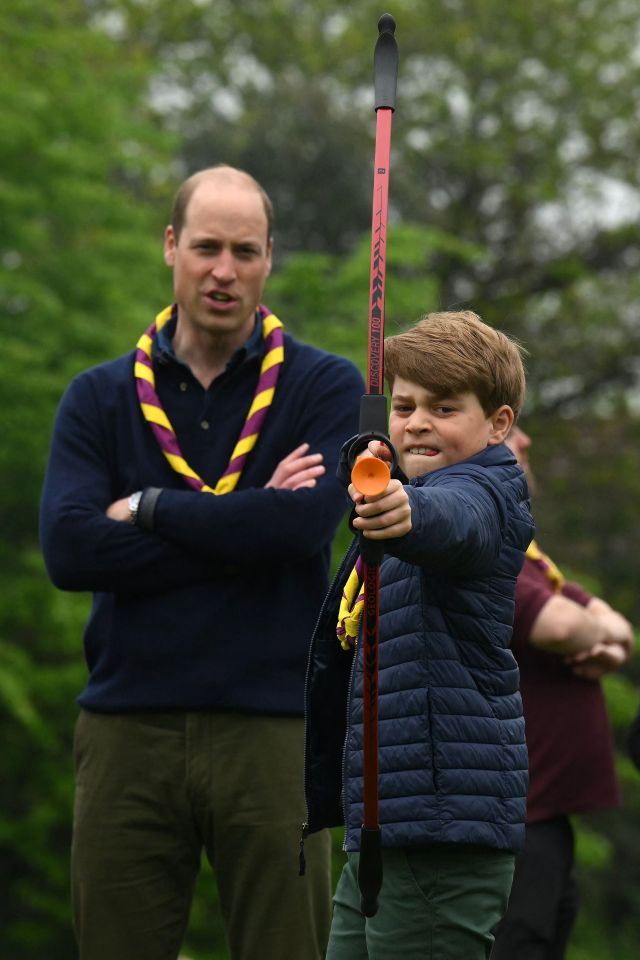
column 263, row 525
column 83, row 549
column 457, row 527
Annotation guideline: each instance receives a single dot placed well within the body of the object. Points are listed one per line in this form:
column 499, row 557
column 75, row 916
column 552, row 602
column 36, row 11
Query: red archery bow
column 372, row 476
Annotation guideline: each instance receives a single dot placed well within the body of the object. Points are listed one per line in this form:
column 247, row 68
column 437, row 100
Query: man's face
column 430, row 432
column 519, row 442
column 221, row 260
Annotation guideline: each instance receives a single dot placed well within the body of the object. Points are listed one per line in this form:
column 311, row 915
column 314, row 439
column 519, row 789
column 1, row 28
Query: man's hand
column 612, row 651
column 297, row 470
column 384, row 516
column 618, row 629
column 119, row 510
column 602, row 658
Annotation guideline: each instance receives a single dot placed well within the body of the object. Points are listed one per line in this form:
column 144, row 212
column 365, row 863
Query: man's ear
column 501, row 422
column 169, row 246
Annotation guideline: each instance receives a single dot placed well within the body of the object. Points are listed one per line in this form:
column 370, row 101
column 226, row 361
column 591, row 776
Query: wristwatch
column 134, row 503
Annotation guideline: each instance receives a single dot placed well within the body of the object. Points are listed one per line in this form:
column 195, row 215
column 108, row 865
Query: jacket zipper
column 305, row 826
column 345, row 805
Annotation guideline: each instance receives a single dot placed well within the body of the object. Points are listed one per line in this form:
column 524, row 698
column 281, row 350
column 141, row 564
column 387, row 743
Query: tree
column 515, row 132
column 514, row 139
column 82, row 164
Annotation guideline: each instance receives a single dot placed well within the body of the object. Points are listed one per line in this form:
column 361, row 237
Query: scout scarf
column 546, row 564
column 157, row 419
column 350, row 612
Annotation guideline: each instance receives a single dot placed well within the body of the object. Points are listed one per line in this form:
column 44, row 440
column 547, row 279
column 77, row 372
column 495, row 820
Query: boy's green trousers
column 437, row 903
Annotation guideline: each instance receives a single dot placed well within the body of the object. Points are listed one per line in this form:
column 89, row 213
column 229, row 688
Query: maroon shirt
column 571, row 761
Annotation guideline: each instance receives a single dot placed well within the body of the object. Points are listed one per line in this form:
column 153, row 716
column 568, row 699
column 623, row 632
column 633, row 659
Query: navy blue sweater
column 214, row 609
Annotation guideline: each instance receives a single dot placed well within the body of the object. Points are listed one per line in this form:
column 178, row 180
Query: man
column 191, row 485
column 564, row 640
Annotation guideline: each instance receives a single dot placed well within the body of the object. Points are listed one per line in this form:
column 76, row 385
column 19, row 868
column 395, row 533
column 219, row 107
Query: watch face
column 134, row 501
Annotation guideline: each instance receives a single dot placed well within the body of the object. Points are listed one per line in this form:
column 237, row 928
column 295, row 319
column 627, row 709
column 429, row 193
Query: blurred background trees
column 514, row 192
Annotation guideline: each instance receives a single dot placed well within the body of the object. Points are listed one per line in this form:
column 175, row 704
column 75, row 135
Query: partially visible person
column 633, row 740
column 453, row 766
column 564, row 640
column 191, row 486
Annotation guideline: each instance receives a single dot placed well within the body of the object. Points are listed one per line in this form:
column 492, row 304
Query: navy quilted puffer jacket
column 453, row 760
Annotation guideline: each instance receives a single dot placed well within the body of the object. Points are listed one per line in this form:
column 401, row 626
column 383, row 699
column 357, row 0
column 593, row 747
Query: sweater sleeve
column 263, row 525
column 576, row 593
column 457, row 527
column 83, row 549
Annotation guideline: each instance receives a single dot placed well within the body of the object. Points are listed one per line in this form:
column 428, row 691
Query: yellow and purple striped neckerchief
column 351, row 604
column 350, row 612
column 552, row 573
column 159, row 422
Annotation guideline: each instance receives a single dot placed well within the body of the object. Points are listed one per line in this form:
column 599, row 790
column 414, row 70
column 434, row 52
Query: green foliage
column 515, row 136
column 608, row 848
column 622, row 699
column 325, row 300
column 206, row 930
column 593, row 850
column 585, row 502
column 80, row 160
column 515, row 131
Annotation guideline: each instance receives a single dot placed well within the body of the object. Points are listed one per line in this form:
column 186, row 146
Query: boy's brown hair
column 453, row 352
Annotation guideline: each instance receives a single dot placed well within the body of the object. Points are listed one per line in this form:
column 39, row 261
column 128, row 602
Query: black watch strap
column 147, row 507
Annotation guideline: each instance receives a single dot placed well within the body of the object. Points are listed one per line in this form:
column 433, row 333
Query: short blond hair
column 453, row 352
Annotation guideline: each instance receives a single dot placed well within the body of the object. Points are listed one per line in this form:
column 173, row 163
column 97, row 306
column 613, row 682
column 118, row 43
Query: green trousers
column 153, row 791
column 436, row 903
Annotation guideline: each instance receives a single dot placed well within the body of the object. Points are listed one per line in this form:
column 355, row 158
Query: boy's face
column 429, row 433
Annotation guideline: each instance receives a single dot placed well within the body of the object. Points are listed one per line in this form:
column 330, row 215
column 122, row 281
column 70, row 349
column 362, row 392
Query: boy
column 453, row 761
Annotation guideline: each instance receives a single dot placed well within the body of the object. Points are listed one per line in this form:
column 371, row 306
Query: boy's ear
column 501, row 422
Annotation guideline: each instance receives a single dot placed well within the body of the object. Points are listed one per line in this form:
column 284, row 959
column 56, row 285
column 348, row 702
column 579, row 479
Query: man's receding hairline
column 223, row 174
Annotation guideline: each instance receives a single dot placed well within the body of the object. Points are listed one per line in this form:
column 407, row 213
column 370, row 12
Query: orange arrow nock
column 370, row 476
